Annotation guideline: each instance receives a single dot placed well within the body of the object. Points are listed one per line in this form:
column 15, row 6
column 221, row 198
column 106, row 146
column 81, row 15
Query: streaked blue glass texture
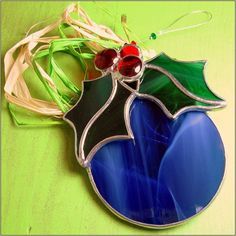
column 169, row 172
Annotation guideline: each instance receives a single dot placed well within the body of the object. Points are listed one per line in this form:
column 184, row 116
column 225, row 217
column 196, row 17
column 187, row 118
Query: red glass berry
column 105, row 59
column 129, row 66
column 128, row 50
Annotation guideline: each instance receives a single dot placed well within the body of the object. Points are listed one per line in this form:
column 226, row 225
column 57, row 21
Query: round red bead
column 128, row 50
column 105, row 59
column 129, row 66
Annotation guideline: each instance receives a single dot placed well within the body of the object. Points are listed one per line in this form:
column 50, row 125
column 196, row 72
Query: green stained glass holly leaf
column 99, row 116
column 178, row 86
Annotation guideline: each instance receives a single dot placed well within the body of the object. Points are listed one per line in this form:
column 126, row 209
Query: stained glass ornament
column 152, row 154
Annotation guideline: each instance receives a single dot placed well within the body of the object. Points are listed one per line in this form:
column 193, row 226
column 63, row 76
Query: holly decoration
column 176, row 86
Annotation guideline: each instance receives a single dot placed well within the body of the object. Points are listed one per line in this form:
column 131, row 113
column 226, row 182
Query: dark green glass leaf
column 189, row 74
column 110, row 123
column 158, row 85
column 95, row 94
column 99, row 115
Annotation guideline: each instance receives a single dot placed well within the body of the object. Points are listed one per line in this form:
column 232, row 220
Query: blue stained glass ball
column 169, row 172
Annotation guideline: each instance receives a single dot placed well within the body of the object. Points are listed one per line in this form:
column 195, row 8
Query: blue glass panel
column 168, row 173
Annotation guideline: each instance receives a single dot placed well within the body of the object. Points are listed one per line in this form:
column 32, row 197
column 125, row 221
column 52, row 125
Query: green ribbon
column 76, row 47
